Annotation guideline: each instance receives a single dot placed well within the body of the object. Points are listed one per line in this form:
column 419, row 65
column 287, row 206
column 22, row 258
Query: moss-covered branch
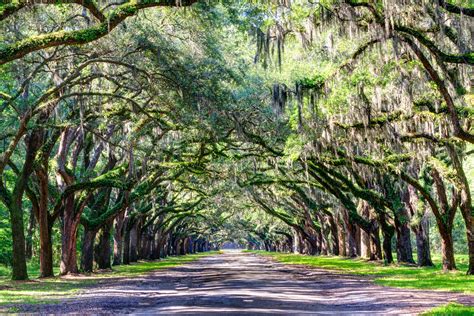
column 467, row 58
column 456, row 9
column 34, row 43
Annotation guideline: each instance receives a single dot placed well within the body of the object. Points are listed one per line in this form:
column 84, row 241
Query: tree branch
column 19, row 49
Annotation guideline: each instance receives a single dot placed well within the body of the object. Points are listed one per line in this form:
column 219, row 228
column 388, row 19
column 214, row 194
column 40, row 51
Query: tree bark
column 351, row 232
column 19, row 271
column 133, row 243
column 334, row 235
column 375, row 246
column 69, row 239
column 387, row 232
column 342, row 238
column 118, row 238
column 29, row 235
column 15, row 207
column 87, row 254
column 423, row 243
column 364, row 236
column 447, row 250
column 404, row 249
column 102, row 253
column 126, row 246
column 46, row 244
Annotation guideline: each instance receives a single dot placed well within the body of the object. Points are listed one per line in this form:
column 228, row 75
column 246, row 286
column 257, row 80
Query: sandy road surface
column 236, row 283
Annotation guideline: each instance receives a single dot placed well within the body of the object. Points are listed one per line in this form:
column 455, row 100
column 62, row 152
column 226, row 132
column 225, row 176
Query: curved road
column 237, row 283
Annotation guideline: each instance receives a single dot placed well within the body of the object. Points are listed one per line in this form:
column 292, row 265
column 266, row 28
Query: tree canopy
column 139, row 129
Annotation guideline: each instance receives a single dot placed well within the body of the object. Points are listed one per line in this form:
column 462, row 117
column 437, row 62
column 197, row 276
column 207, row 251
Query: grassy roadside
column 452, row 309
column 51, row 290
column 428, row 278
column 432, row 278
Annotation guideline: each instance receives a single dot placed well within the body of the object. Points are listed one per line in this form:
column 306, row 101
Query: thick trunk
column 447, row 250
column 297, row 242
column 404, row 249
column 375, row 246
column 342, row 240
column 387, row 246
column 351, row 240
column 357, row 239
column 133, row 244
column 87, row 253
column 334, row 236
column 118, row 238
column 102, row 250
column 126, row 246
column 364, row 236
column 387, row 232
column 423, row 249
column 323, row 235
column 69, row 239
column 19, row 271
column 15, row 207
column 423, row 243
column 46, row 245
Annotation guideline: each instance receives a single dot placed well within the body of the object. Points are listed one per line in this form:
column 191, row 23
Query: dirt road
column 236, row 283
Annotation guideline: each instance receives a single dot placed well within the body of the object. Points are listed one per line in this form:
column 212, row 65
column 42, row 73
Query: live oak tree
column 320, row 128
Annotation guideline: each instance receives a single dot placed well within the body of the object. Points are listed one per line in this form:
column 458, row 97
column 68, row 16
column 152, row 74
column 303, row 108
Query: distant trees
column 381, row 126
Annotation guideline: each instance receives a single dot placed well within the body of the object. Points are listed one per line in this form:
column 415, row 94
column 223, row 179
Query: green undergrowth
column 51, row 290
column 429, row 278
column 451, row 309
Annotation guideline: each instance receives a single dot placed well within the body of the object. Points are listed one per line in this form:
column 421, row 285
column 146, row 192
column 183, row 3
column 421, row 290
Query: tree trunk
column 46, row 245
column 467, row 209
column 447, row 250
column 87, row 253
column 470, row 244
column 387, row 232
column 423, row 243
column 364, row 236
column 323, row 234
column 19, row 271
column 69, row 239
column 102, row 250
column 375, row 246
column 133, row 243
column 118, row 238
column 342, row 239
column 404, row 250
column 15, row 207
column 29, row 235
column 297, row 242
column 351, row 232
column 334, row 235
column 126, row 246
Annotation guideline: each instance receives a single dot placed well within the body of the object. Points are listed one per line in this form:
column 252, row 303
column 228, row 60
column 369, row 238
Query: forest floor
column 244, row 283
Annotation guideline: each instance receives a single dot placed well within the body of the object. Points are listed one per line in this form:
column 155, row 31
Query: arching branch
column 19, row 49
column 456, row 9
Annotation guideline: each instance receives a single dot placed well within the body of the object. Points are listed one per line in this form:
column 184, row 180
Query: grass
column 428, row 278
column 51, row 290
column 452, row 309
